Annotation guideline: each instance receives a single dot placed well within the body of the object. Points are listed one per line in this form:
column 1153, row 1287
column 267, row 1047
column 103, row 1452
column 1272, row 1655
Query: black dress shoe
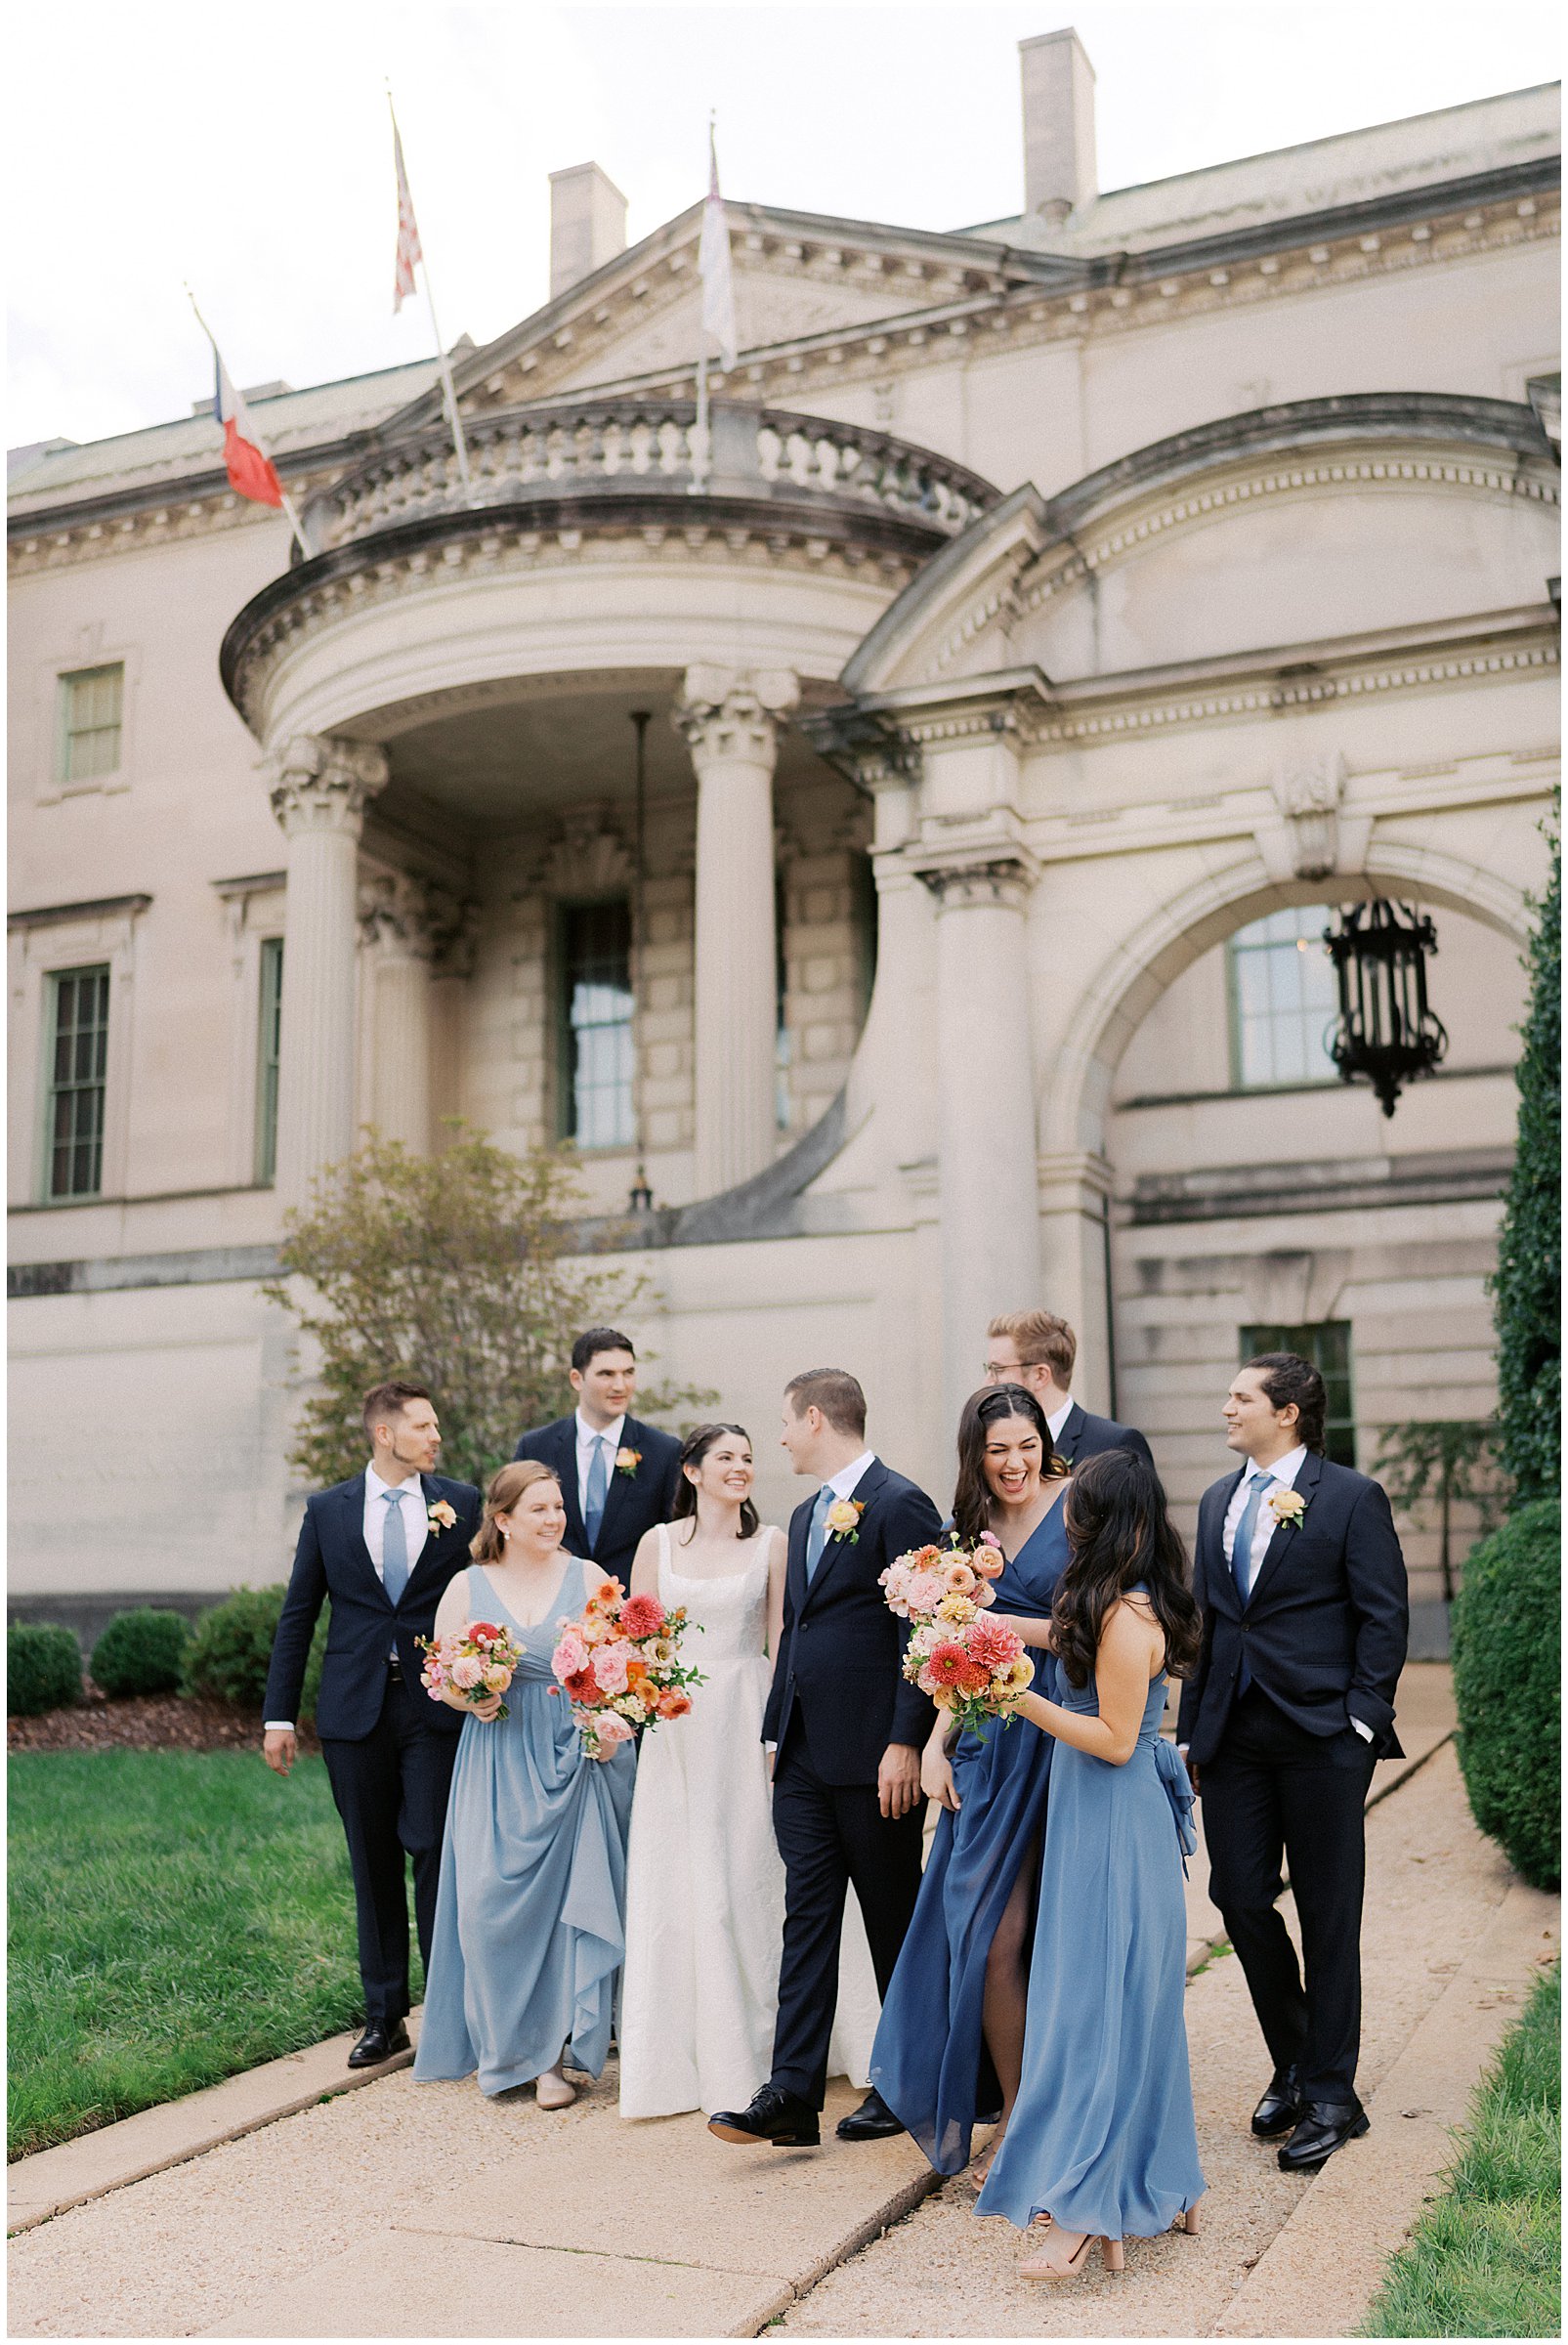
column 1280, row 2108
column 873, row 2121
column 1326, row 2127
column 775, row 2116
column 381, row 2039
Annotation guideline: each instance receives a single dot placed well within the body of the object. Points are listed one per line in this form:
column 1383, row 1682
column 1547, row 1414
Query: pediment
column 1339, row 518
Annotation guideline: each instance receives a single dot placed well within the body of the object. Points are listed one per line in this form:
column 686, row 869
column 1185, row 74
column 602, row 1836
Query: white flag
column 713, row 265
column 409, row 251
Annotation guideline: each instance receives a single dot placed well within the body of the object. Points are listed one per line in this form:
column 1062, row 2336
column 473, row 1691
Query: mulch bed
column 142, row 1721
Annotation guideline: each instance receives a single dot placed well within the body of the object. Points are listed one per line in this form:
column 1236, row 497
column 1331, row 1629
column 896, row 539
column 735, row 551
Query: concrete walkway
column 346, row 2218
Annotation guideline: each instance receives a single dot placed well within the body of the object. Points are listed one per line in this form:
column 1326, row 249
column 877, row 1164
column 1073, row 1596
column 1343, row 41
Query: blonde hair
column 1043, row 1340
column 505, row 1489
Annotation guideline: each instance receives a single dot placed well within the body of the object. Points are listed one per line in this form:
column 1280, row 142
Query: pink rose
column 611, row 1730
column 609, row 1664
column 925, row 1591
column 982, row 1594
column 570, row 1656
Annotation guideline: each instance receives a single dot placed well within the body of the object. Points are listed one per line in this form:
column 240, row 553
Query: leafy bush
column 1507, row 1689
column 43, row 1668
column 228, row 1655
column 141, row 1651
column 1525, row 1289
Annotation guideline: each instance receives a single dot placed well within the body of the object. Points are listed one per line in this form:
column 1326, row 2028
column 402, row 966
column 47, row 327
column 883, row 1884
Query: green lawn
column 1485, row 2261
column 174, row 1917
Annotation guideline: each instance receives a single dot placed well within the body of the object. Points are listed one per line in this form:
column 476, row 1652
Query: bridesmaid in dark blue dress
column 950, row 2047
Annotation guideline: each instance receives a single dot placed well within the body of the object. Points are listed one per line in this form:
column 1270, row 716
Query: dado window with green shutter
column 78, row 1066
column 268, row 1037
column 91, row 710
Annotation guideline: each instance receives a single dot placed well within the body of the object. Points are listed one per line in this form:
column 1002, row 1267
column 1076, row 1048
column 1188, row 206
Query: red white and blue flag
column 251, row 472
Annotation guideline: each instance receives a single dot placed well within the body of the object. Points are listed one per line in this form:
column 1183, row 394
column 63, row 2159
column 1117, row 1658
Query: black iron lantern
column 1387, row 1032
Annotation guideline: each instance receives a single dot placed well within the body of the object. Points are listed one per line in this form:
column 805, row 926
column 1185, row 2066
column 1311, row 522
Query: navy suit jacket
column 1084, row 1435
column 1325, row 1627
column 840, row 1656
column 633, row 1502
column 333, row 1560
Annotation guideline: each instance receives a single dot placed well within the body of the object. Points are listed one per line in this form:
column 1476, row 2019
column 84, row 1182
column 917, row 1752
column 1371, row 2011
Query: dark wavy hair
column 1285, row 1378
column 1118, row 1534
column 694, row 1449
column 973, row 1499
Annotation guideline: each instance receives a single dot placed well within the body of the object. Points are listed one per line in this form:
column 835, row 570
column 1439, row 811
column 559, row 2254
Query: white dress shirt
column 415, row 1530
column 587, row 1435
column 1284, row 1472
column 845, row 1483
column 1057, row 1419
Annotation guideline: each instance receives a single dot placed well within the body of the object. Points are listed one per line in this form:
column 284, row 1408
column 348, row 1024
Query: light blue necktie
column 1241, row 1559
column 393, row 1546
column 817, row 1532
column 593, row 1512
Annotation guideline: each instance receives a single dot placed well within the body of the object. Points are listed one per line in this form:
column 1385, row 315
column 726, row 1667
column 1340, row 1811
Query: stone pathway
column 345, row 2218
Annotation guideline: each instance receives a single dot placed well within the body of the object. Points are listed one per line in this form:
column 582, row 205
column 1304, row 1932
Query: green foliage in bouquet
column 43, row 1668
column 455, row 1270
column 1506, row 1685
column 1525, row 1289
column 142, row 1652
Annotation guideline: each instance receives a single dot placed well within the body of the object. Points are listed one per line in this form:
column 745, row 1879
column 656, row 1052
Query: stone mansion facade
column 1058, row 620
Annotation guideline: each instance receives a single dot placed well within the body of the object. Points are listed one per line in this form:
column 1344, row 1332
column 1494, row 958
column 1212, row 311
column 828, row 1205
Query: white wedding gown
column 704, row 1880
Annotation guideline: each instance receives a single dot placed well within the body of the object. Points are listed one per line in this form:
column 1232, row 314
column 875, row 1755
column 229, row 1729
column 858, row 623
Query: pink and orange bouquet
column 620, row 1668
column 971, row 1667
column 475, row 1664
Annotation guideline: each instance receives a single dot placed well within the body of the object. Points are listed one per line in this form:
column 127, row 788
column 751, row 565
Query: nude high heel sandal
column 1189, row 2222
column 553, row 2091
column 1112, row 2259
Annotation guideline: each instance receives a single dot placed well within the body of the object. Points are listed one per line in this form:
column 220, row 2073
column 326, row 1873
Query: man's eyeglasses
column 1007, row 1372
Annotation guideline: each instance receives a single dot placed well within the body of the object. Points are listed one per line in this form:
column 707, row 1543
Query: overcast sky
column 248, row 148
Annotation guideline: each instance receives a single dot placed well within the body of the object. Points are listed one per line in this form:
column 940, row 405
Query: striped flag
column 409, row 251
column 713, row 264
column 251, row 472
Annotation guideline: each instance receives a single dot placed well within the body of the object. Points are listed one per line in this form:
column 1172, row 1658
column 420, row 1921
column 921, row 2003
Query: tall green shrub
column 1525, row 1288
column 1506, row 1662
column 43, row 1668
column 227, row 1656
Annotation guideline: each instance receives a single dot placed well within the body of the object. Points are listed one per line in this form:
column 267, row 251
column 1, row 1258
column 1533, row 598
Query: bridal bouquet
column 620, row 1668
column 971, row 1667
column 475, row 1664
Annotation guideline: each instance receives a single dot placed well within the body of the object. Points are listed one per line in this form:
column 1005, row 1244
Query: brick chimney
column 588, row 223
column 1059, row 172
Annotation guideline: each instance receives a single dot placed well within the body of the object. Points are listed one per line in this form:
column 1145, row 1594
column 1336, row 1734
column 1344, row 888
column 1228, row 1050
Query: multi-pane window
column 1326, row 1343
column 1282, row 1001
column 598, row 1109
column 78, row 1060
column 90, row 705
column 268, row 1037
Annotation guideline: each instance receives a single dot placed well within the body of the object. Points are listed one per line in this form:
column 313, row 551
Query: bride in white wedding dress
column 704, row 1880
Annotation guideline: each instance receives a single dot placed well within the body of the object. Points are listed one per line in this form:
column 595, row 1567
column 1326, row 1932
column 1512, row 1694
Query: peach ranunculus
column 988, row 1558
column 959, row 1579
column 844, row 1518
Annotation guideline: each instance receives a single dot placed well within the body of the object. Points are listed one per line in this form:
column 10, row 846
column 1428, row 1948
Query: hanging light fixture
column 1386, row 1032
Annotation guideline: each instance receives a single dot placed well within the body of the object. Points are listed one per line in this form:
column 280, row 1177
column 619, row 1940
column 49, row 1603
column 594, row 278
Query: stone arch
column 1129, row 980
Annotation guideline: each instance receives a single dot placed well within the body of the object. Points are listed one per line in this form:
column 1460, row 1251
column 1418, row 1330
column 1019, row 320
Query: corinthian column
column 731, row 722
column 320, row 795
column 989, row 1184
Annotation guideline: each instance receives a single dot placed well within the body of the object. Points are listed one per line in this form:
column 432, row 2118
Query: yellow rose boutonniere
column 627, row 1462
column 844, row 1518
column 440, row 1518
column 1287, row 1507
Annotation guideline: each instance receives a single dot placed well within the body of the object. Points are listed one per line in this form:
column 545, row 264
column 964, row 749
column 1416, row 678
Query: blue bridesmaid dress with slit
column 929, row 2061
column 531, row 1912
column 1102, row 2136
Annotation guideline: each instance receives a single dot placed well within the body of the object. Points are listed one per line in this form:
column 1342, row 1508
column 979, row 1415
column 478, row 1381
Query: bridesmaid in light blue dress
column 531, row 1912
column 1102, row 2140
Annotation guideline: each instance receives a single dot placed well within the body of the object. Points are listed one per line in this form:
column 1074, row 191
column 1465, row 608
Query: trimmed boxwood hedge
column 1506, row 1685
column 43, row 1668
column 232, row 1645
column 141, row 1652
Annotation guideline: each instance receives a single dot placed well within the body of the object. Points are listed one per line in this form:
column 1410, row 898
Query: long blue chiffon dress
column 929, row 2061
column 530, row 1910
column 1102, row 2135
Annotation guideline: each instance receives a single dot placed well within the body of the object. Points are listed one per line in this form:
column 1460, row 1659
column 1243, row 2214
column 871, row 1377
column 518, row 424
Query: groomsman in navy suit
column 847, row 1805
column 617, row 1475
column 1039, row 1350
column 382, row 1546
column 1299, row 1571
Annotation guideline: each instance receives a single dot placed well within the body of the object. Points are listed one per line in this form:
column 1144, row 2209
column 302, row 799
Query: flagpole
column 449, row 390
column 289, row 507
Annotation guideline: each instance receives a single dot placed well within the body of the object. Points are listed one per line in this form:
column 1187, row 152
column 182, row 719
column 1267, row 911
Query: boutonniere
column 1287, row 1507
column 844, row 1518
column 440, row 1518
column 627, row 1462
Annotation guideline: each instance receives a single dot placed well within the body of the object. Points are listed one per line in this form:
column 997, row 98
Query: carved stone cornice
column 1003, row 879
column 406, row 917
column 323, row 783
column 589, row 858
column 733, row 715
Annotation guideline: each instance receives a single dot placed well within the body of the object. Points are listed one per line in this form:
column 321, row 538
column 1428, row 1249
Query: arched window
column 1282, row 1000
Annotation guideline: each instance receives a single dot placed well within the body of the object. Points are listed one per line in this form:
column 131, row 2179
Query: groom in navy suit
column 617, row 1475
column 382, row 1546
column 1299, row 1571
column 848, row 1727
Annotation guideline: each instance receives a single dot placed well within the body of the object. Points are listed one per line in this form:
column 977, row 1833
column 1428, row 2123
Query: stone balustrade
column 605, row 449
